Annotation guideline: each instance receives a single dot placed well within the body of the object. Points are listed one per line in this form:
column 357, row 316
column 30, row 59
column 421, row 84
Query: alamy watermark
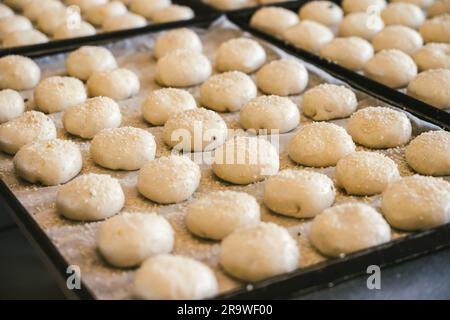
column 374, row 280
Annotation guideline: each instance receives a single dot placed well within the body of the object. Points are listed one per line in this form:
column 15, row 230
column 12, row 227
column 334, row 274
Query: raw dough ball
column 282, row 77
column 379, row 127
column 5, row 11
column 260, row 252
column 16, row 4
column 432, row 87
column 270, row 114
column 308, row 35
column 299, row 193
column 169, row 179
column 405, row 14
column 124, row 21
column 89, row 118
column 182, row 68
column 125, row 148
column 11, row 105
column 432, row 56
column 12, row 24
column 147, row 7
column 351, row 52
column 391, row 67
column 172, row 13
column 29, row 127
column 324, row 12
column 49, row 162
column 128, row 239
column 57, row 93
column 165, row 277
column 328, row 102
column 85, row 4
column 83, row 62
column 241, row 54
column 226, row 5
column 273, row 20
column 33, row 9
column 436, row 29
column 90, row 197
column 227, row 92
column 18, row 73
column 429, row 153
column 24, row 38
column 177, row 39
column 163, row 103
column 397, row 37
column 195, row 130
column 51, row 19
column 217, row 214
column 347, row 228
column 417, row 203
column 118, row 84
column 420, row 3
column 365, row 173
column 438, row 7
column 244, row 160
column 361, row 24
column 361, row 5
column 320, row 144
column 67, row 31
column 97, row 14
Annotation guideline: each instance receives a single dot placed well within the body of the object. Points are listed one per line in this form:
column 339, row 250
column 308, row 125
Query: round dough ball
column 308, row 35
column 273, row 20
column 299, row 193
column 244, row 160
column 85, row 61
column 379, row 127
column 438, row 7
column 11, row 105
column 56, row 93
column 362, row 5
column 13, row 24
column 89, row 118
column 182, row 68
column 172, row 13
column 5, row 11
column 217, row 214
column 241, row 54
column 365, row 173
column 24, row 38
column 90, row 197
column 51, row 19
column 67, row 31
column 397, row 37
column 49, row 162
column 417, row 203
column 172, row 40
column 124, row 21
column 436, row 29
column 226, row 5
column 125, row 148
column 391, row 67
column 420, row 3
column 227, row 92
column 128, row 239
column 18, row 73
column 29, row 127
column 432, row 56
column 351, row 52
column 260, row 252
column 271, row 114
column 328, row 102
column 195, row 130
column 282, row 77
column 361, row 24
column 147, row 7
column 320, row 144
column 161, row 104
column 33, row 9
column 429, row 153
column 405, row 14
column 432, row 87
column 347, row 228
column 324, row 12
column 85, row 4
column 165, row 277
column 16, row 4
column 169, row 179
column 117, row 84
column 97, row 14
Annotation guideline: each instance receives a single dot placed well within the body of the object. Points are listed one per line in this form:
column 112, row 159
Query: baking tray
column 357, row 80
column 304, row 279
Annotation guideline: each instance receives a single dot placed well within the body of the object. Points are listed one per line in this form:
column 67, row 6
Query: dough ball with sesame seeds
column 347, row 228
column 397, row 37
column 240, row 54
column 11, row 105
column 273, row 20
column 90, row 197
column 429, row 153
column 128, row 239
column 324, row 12
column 417, row 203
column 361, row 24
column 282, row 77
column 49, row 162
column 308, row 35
column 172, row 40
column 98, row 13
column 18, row 73
column 169, row 179
column 172, row 13
column 328, row 102
column 227, row 92
column 83, row 62
column 365, row 173
column 362, row 5
column 379, row 127
column 432, row 87
column 320, row 144
column 146, row 8
column 124, row 21
column 29, row 127
column 404, row 14
column 299, row 193
column 117, row 84
column 350, row 52
column 432, row 56
column 125, row 148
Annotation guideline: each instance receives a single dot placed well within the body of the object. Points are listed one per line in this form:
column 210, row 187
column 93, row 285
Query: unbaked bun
column 11, row 105
column 397, row 37
column 97, row 14
column 172, row 13
column 51, row 19
column 432, row 87
column 362, row 5
column 67, row 31
column 308, row 35
column 172, row 40
column 438, row 7
column 436, row 29
column 16, row 4
column 240, row 54
column 324, row 12
column 5, row 11
column 421, row 3
column 147, row 7
column 84, row 5
column 273, row 20
column 117, row 84
column 404, row 14
column 24, row 38
column 361, row 24
column 85, row 61
column 13, row 24
column 432, row 56
column 18, row 73
column 122, row 22
column 351, row 52
column 33, row 9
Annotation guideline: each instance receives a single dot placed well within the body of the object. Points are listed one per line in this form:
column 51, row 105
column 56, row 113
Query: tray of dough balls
column 155, row 197
column 401, row 44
